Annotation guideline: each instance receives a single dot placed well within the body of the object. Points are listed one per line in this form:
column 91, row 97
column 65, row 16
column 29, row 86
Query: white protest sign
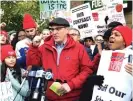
column 45, row 15
column 115, row 11
column 117, row 84
column 99, row 15
column 50, row 5
column 63, row 14
column 83, row 21
column 47, row 7
column 6, row 93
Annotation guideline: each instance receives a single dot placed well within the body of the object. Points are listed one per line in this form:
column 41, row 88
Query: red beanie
column 126, row 33
column 7, row 50
column 28, row 22
column 4, row 33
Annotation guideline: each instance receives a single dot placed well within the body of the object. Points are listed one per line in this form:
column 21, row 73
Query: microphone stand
column 47, row 77
column 36, row 92
column 43, row 95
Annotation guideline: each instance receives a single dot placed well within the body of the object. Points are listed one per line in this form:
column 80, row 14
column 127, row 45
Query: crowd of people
column 72, row 61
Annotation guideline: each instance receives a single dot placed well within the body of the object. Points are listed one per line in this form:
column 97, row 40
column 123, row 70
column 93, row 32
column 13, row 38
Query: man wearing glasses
column 75, row 34
column 67, row 60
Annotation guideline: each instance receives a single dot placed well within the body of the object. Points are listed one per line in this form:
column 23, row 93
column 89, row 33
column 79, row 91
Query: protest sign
column 115, row 11
column 45, row 15
column 6, row 93
column 63, row 14
column 117, row 84
column 82, row 20
column 101, row 12
column 47, row 7
column 99, row 15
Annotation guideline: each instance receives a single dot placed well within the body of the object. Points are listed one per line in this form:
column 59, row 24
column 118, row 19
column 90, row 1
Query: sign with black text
column 115, row 11
column 6, row 93
column 82, row 20
column 117, row 84
column 99, row 15
column 48, row 7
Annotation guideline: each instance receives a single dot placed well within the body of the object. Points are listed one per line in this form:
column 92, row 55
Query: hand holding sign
column 97, row 79
column 117, row 84
column 129, row 68
column 6, row 93
column 99, row 46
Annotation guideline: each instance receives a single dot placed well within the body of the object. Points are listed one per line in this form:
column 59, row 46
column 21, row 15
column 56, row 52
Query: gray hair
column 75, row 30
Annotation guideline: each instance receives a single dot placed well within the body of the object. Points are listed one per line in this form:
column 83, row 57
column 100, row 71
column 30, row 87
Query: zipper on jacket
column 57, row 65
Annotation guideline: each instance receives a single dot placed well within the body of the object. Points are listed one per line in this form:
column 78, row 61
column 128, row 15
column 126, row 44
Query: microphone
column 38, row 75
column 47, row 75
column 130, row 57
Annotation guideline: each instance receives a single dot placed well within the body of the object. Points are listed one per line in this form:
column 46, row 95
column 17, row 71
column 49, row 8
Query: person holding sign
column 11, row 72
column 116, row 43
column 121, row 38
column 118, row 81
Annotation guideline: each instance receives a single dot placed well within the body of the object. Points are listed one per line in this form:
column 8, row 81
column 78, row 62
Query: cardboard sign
column 83, row 20
column 6, row 93
column 117, row 84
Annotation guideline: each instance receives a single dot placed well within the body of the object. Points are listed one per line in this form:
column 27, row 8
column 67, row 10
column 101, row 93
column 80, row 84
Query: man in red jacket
column 66, row 58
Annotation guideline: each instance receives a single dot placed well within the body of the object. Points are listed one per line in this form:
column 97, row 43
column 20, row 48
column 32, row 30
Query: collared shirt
column 59, row 48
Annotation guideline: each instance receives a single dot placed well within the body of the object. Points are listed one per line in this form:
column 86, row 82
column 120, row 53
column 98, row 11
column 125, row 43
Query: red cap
column 7, row 50
column 4, row 33
column 28, row 22
column 126, row 33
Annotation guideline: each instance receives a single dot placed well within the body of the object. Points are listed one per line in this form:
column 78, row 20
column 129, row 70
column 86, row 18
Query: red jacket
column 74, row 66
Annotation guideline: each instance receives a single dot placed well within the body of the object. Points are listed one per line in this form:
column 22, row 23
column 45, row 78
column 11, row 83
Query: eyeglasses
column 57, row 28
column 21, row 36
column 88, row 40
column 73, row 34
column 99, row 40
